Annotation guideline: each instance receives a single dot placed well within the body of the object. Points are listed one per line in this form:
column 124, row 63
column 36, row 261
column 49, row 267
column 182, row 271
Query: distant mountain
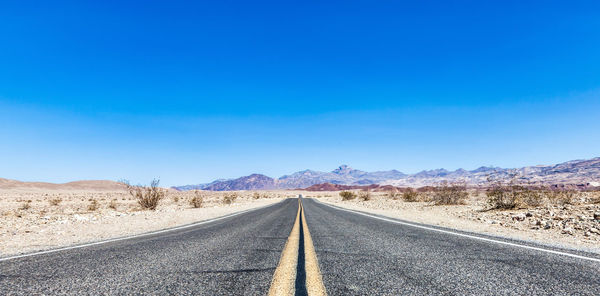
column 252, row 182
column 198, row 186
column 342, row 175
column 583, row 172
column 89, row 185
column 572, row 172
column 338, row 187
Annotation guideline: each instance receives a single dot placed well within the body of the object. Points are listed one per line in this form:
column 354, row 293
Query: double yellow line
column 284, row 280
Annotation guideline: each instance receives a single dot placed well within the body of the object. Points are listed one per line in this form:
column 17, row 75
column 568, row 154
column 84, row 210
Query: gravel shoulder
column 30, row 221
column 514, row 224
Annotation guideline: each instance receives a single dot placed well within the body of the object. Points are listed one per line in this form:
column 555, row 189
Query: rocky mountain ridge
column 571, row 172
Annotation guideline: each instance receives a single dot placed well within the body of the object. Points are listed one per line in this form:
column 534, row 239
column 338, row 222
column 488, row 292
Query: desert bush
column 506, row 192
column 147, row 197
column 93, row 205
column 257, row 195
column 532, row 197
column 393, row 194
column 55, row 201
column 502, row 197
column 197, row 200
column 347, row 195
column 365, row 195
column 175, row 198
column 26, row 205
column 113, row 204
column 410, row 195
column 510, row 196
column 229, row 198
column 595, row 197
column 560, row 197
column 450, row 194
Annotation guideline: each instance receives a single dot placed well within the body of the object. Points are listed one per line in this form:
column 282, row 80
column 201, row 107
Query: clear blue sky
column 193, row 92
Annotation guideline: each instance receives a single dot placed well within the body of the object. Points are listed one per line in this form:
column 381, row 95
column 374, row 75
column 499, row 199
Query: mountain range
column 86, row 185
column 586, row 172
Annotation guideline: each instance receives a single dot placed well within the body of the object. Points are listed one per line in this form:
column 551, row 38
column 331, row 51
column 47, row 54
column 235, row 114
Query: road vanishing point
column 303, row 247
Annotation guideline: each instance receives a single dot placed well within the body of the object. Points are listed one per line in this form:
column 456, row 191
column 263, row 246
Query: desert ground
column 40, row 216
column 34, row 219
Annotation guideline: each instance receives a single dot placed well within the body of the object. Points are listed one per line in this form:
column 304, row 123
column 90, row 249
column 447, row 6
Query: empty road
column 357, row 255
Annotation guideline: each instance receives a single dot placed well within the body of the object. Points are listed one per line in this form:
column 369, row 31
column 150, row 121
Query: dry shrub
column 147, row 197
column 532, row 197
column 347, row 195
column 393, row 194
column 502, row 197
column 93, row 205
column 26, row 205
column 55, row 201
column 410, row 195
column 560, row 197
column 595, row 197
column 197, row 200
column 365, row 195
column 113, row 204
column 257, row 195
column 510, row 196
column 175, row 198
column 229, row 198
column 450, row 194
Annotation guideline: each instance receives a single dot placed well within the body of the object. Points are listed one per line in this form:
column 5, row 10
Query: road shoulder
column 93, row 229
column 439, row 220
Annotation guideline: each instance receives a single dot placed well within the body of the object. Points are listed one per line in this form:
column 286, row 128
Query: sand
column 42, row 224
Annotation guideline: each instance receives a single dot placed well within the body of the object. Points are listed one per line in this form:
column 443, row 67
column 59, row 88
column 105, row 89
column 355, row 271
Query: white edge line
column 464, row 235
column 132, row 236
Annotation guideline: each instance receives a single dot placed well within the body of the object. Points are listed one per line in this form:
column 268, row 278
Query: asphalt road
column 233, row 256
column 358, row 255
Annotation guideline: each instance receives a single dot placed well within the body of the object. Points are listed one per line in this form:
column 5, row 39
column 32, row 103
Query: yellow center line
column 283, row 282
column 284, row 278
column 314, row 281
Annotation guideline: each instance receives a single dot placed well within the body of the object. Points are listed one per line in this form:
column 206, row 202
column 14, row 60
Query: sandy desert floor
column 34, row 220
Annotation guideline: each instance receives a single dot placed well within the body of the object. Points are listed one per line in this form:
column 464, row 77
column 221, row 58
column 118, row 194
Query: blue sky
column 193, row 92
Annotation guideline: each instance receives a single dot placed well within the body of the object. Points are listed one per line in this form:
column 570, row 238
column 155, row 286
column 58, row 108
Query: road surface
column 357, row 255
